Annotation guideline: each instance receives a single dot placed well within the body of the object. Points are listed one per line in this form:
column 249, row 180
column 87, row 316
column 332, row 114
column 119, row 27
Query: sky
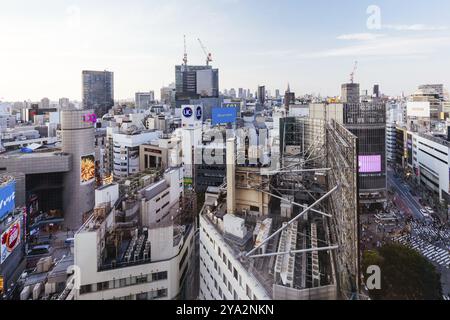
column 312, row 45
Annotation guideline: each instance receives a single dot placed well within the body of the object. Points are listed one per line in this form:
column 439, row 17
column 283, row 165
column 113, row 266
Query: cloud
column 385, row 47
column 413, row 27
column 360, row 36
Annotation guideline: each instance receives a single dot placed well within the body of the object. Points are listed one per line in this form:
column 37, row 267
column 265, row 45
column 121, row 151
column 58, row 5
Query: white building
column 159, row 198
column 126, row 150
column 117, row 257
column 143, row 100
column 431, row 162
column 391, row 141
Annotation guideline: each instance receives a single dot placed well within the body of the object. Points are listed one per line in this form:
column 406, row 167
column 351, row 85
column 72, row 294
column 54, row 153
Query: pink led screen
column 369, row 164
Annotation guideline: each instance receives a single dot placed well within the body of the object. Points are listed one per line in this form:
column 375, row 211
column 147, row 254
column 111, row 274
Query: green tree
column 405, row 274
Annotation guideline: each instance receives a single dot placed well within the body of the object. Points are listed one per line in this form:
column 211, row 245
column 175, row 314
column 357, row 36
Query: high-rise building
column 376, row 91
column 241, row 93
column 64, row 103
column 289, row 97
column 45, row 103
column 350, row 93
column 143, row 100
column 78, row 139
column 168, row 95
column 367, row 121
column 277, row 94
column 98, row 91
column 192, row 82
column 261, row 94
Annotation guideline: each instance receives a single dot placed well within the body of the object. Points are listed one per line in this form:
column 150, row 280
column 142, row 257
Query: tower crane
column 185, row 60
column 208, row 55
column 352, row 75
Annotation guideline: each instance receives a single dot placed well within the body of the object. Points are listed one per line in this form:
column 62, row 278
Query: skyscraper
column 367, row 121
column 193, row 82
column 98, row 91
column 261, row 94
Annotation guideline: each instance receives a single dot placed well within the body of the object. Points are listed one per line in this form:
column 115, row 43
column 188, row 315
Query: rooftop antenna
column 207, row 54
column 352, row 75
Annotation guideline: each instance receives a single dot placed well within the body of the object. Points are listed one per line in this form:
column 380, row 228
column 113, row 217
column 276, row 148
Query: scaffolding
column 318, row 178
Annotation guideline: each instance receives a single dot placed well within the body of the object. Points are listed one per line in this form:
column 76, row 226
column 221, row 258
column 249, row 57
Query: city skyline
column 45, row 50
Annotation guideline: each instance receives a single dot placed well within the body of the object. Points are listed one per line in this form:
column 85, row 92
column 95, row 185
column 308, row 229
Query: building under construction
column 288, row 230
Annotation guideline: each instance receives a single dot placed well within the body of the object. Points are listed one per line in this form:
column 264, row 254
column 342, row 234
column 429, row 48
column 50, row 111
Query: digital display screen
column 224, row 115
column 7, row 197
column 369, row 164
column 87, row 167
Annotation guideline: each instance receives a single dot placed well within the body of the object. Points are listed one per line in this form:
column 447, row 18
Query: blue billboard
column 223, row 115
column 7, row 197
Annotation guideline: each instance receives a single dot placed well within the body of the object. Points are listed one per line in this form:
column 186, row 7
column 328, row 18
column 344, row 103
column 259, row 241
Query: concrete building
column 160, row 154
column 127, row 147
column 430, row 161
column 125, row 253
column 143, row 100
column 350, row 93
column 246, row 231
column 78, row 140
column 391, row 141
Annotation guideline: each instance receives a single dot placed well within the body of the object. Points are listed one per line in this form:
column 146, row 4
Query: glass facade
column 98, row 91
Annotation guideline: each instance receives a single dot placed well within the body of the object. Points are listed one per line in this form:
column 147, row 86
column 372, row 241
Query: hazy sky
column 45, row 44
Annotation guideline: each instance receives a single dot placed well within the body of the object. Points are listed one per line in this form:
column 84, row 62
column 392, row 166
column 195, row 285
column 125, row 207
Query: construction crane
column 352, row 75
column 185, row 60
column 208, row 55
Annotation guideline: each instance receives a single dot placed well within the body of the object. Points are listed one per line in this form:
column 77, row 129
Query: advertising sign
column 90, row 118
column 9, row 241
column 224, row 115
column 7, row 197
column 369, row 164
column 87, row 168
column 191, row 116
column 418, row 109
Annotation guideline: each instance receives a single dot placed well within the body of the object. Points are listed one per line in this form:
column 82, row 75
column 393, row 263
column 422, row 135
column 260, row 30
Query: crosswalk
column 431, row 252
column 431, row 233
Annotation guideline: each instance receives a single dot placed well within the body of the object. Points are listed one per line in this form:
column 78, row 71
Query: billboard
column 191, row 116
column 10, row 240
column 224, row 115
column 87, row 168
column 418, row 109
column 7, row 197
column 369, row 164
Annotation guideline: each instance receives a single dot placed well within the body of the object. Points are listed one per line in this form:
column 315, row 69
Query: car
column 424, row 213
column 69, row 241
column 39, row 250
column 429, row 210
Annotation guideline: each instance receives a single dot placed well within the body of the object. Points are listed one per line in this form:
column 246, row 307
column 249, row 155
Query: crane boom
column 207, row 54
column 185, row 52
column 352, row 75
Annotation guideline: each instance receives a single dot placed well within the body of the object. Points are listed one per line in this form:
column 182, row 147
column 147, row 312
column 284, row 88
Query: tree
column 405, row 274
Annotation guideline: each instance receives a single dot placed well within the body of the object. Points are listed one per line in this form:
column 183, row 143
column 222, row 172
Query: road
column 406, row 195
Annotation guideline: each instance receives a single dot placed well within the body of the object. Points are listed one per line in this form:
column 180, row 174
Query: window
column 141, row 279
column 249, row 292
column 86, row 289
column 230, row 267
column 159, row 276
column 235, row 273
